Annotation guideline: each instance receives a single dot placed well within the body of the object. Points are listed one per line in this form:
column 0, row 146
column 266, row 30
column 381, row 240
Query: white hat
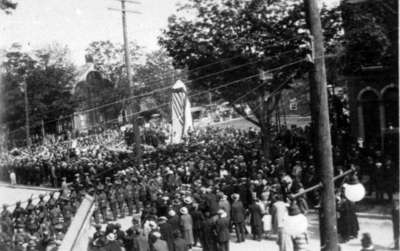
column 157, row 234
column 111, row 237
column 171, row 213
column 188, row 200
column 152, row 224
column 235, row 196
column 222, row 213
column 183, row 210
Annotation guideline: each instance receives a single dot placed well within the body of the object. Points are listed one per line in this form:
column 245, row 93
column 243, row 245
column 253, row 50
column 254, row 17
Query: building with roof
column 371, row 74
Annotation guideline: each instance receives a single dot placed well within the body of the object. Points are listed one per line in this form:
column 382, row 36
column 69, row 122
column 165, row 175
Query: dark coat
column 198, row 218
column 212, row 203
column 179, row 245
column 210, row 238
column 347, row 221
column 160, row 245
column 222, row 229
column 140, row 243
column 175, row 222
column 237, row 212
column 166, row 234
column 255, row 215
column 113, row 246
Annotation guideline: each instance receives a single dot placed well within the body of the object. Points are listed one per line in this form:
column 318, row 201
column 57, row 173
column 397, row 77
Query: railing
column 77, row 236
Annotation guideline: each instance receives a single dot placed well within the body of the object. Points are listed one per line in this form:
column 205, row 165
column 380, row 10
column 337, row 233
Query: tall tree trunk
column 266, row 140
column 265, row 127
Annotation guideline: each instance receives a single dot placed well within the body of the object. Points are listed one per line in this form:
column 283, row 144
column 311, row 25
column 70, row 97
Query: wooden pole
column 322, row 135
column 27, row 123
column 135, row 105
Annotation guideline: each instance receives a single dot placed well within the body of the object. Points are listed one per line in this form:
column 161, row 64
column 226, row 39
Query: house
column 90, row 90
column 371, row 74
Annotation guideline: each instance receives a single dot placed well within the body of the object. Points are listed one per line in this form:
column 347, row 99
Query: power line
column 157, row 90
column 164, row 76
column 141, row 95
column 206, row 91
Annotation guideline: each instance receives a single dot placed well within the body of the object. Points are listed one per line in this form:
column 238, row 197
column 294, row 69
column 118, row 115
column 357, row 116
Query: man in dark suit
column 209, row 241
column 211, row 202
column 179, row 243
column 158, row 244
column 166, row 231
column 256, row 214
column 174, row 220
column 222, row 230
column 238, row 217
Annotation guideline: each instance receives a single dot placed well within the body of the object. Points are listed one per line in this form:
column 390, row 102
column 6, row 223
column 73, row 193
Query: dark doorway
column 370, row 104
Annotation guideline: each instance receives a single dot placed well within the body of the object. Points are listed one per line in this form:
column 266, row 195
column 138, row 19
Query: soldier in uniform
column 120, row 198
column 55, row 214
column 96, row 213
column 136, row 195
column 5, row 240
column 45, row 240
column 77, row 181
column 31, row 223
column 20, row 237
column 67, row 213
column 29, row 207
column 51, row 202
column 6, row 222
column 18, row 211
column 5, row 213
column 41, row 203
column 113, row 201
column 64, row 184
column 128, row 195
column 59, row 235
column 102, row 201
column 98, row 238
column 108, row 184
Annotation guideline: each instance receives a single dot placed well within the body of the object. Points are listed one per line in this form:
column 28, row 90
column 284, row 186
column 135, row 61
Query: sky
column 76, row 23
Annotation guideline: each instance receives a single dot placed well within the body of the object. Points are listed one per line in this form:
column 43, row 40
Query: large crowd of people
column 189, row 194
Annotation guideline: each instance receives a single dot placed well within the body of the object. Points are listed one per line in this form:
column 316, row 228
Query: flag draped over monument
column 181, row 114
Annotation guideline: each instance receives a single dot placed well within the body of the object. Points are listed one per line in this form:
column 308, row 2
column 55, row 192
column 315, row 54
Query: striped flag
column 181, row 114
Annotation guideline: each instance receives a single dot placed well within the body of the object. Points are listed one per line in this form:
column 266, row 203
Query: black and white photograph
column 199, row 125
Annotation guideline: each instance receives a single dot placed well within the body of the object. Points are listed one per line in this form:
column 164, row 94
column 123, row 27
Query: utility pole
column 135, row 107
column 321, row 130
column 27, row 124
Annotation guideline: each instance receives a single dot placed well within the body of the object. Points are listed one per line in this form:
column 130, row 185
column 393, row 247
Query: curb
column 365, row 215
column 47, row 189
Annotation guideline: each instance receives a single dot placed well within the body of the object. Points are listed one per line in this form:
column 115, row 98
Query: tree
column 239, row 39
column 7, row 6
column 157, row 73
column 371, row 37
column 48, row 87
column 108, row 58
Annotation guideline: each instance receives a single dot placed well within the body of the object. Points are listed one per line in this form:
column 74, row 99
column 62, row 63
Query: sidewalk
column 39, row 188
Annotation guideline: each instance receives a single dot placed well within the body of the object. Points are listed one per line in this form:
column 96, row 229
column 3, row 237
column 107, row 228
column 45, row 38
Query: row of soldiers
column 38, row 225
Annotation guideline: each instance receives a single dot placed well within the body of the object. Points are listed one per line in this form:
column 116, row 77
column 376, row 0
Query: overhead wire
column 159, row 89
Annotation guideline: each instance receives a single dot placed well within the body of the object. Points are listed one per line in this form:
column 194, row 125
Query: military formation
column 216, row 176
column 40, row 225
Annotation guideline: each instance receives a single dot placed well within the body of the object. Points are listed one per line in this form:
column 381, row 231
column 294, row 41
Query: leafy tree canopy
column 242, row 38
column 232, row 41
column 108, row 58
column 371, row 37
column 157, row 73
column 48, row 86
column 7, row 6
